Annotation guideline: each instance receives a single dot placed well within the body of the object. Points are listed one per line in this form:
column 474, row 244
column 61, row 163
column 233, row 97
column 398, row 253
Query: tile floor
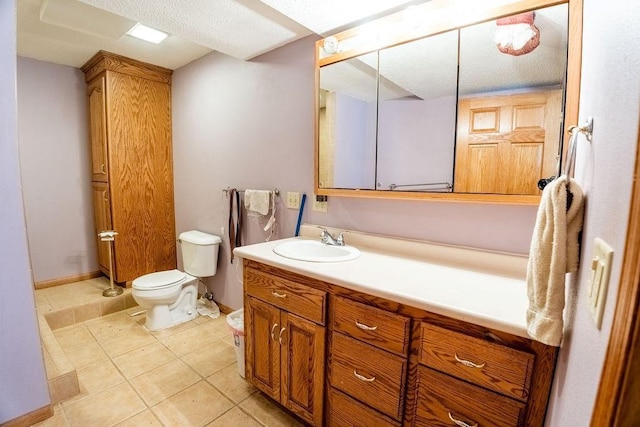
column 183, row 376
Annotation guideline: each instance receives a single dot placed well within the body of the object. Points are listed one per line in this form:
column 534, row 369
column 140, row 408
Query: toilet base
column 163, row 316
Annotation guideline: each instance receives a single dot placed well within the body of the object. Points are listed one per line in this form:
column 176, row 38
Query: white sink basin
column 315, row 251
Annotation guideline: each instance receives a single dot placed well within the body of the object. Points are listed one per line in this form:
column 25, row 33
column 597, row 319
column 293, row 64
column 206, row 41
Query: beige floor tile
column 143, row 359
column 86, row 355
column 196, row 406
column 99, row 376
column 211, row 358
column 267, row 412
column 164, row 381
column 60, row 319
column 88, row 311
column 109, row 326
column 164, row 333
column 231, row 384
column 217, row 327
column 58, row 419
column 105, row 408
column 73, row 336
column 187, row 341
column 122, row 343
column 112, row 305
column 62, row 302
column 144, row 418
column 234, row 417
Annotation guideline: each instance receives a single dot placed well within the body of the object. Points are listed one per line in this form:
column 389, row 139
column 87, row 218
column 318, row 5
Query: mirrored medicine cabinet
column 448, row 103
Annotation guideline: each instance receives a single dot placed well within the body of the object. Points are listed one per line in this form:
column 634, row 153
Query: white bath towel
column 257, row 201
column 554, row 252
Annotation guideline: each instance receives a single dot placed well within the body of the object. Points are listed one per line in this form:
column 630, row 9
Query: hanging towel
column 235, row 227
column 554, row 252
column 257, row 201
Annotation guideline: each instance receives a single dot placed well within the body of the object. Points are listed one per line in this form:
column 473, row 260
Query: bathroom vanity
column 408, row 333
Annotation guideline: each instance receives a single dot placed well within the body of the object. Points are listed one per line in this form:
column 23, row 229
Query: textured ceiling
column 69, row 32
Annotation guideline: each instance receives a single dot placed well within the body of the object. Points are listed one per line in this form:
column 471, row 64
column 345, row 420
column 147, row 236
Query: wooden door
column 102, row 217
column 141, row 174
column 506, row 144
column 302, row 359
column 98, row 130
column 262, row 326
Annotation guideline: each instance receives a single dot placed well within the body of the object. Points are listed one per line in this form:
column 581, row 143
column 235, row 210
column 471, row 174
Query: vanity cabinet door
column 262, row 326
column 102, row 216
column 302, row 354
column 98, row 129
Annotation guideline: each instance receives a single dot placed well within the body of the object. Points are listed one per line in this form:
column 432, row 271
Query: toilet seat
column 159, row 280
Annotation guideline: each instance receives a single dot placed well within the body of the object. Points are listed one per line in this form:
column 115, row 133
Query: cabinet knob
column 275, row 325
column 468, row 363
column 461, row 423
column 365, row 327
column 362, row 377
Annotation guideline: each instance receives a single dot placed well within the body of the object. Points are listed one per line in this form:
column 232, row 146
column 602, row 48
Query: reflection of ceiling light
column 145, row 33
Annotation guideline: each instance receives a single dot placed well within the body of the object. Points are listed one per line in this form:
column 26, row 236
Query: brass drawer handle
column 277, row 295
column 461, row 423
column 363, row 378
column 280, row 336
column 365, row 327
column 275, row 325
column 468, row 363
column 103, row 168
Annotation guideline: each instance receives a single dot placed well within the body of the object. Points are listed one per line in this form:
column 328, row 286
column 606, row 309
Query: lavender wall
column 610, row 94
column 250, row 125
column 23, row 385
column 54, row 161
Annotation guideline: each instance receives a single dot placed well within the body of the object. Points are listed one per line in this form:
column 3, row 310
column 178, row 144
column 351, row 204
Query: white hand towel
column 257, row 201
column 554, row 252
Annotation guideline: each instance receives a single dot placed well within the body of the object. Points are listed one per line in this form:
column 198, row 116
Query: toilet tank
column 199, row 253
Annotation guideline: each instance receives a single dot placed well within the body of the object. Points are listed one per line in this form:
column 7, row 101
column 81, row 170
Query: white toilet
column 170, row 296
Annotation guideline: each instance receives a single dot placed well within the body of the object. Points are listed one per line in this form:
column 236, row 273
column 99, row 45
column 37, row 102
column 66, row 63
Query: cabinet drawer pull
column 461, row 423
column 365, row 327
column 280, row 336
column 468, row 363
column 105, row 196
column 363, row 378
column 103, row 169
column 277, row 295
column 275, row 325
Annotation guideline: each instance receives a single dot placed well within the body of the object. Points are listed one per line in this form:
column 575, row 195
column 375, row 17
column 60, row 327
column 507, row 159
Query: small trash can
column 235, row 320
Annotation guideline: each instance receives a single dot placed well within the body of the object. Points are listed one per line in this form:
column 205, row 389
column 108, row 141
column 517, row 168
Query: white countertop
column 489, row 300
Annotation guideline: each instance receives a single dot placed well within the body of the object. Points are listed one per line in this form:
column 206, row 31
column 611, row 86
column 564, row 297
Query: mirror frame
column 441, row 19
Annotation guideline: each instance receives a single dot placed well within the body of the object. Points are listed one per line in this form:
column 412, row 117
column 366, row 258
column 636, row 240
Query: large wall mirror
column 469, row 108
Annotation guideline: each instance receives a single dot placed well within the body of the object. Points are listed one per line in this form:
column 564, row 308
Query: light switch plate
column 320, row 203
column 599, row 283
column 293, row 200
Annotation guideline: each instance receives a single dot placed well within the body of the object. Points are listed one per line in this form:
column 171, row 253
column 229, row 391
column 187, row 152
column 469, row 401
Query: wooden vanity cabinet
column 387, row 364
column 131, row 158
column 285, row 342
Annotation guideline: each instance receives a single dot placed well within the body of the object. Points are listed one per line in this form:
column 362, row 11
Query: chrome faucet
column 328, row 239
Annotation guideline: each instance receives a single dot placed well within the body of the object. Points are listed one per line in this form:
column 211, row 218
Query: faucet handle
column 340, row 239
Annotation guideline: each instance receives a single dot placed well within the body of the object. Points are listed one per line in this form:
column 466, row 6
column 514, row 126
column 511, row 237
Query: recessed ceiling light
column 145, row 33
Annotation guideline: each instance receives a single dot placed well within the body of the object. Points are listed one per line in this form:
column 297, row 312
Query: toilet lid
column 159, row 280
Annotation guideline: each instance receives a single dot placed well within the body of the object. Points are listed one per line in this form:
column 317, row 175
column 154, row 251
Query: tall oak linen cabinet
column 131, row 164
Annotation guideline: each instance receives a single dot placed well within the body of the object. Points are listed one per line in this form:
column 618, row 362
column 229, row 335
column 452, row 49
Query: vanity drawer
column 442, row 399
column 372, row 325
column 493, row 366
column 345, row 411
column 368, row 374
column 290, row 296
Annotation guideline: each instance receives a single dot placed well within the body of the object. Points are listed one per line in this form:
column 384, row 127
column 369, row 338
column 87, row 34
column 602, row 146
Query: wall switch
column 320, row 203
column 293, row 200
column 600, row 272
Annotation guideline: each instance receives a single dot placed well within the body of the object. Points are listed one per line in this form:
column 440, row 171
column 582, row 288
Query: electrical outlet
column 293, row 200
column 320, row 203
column 600, row 272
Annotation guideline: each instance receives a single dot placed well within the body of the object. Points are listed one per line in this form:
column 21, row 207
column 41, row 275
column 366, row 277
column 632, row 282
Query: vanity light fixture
column 148, row 34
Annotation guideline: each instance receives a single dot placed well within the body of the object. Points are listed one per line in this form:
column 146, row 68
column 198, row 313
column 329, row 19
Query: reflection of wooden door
column 505, row 144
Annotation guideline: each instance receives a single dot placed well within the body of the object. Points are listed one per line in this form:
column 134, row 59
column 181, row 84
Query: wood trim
column 224, row 309
column 104, row 60
column 64, row 280
column 616, row 404
column 31, row 418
